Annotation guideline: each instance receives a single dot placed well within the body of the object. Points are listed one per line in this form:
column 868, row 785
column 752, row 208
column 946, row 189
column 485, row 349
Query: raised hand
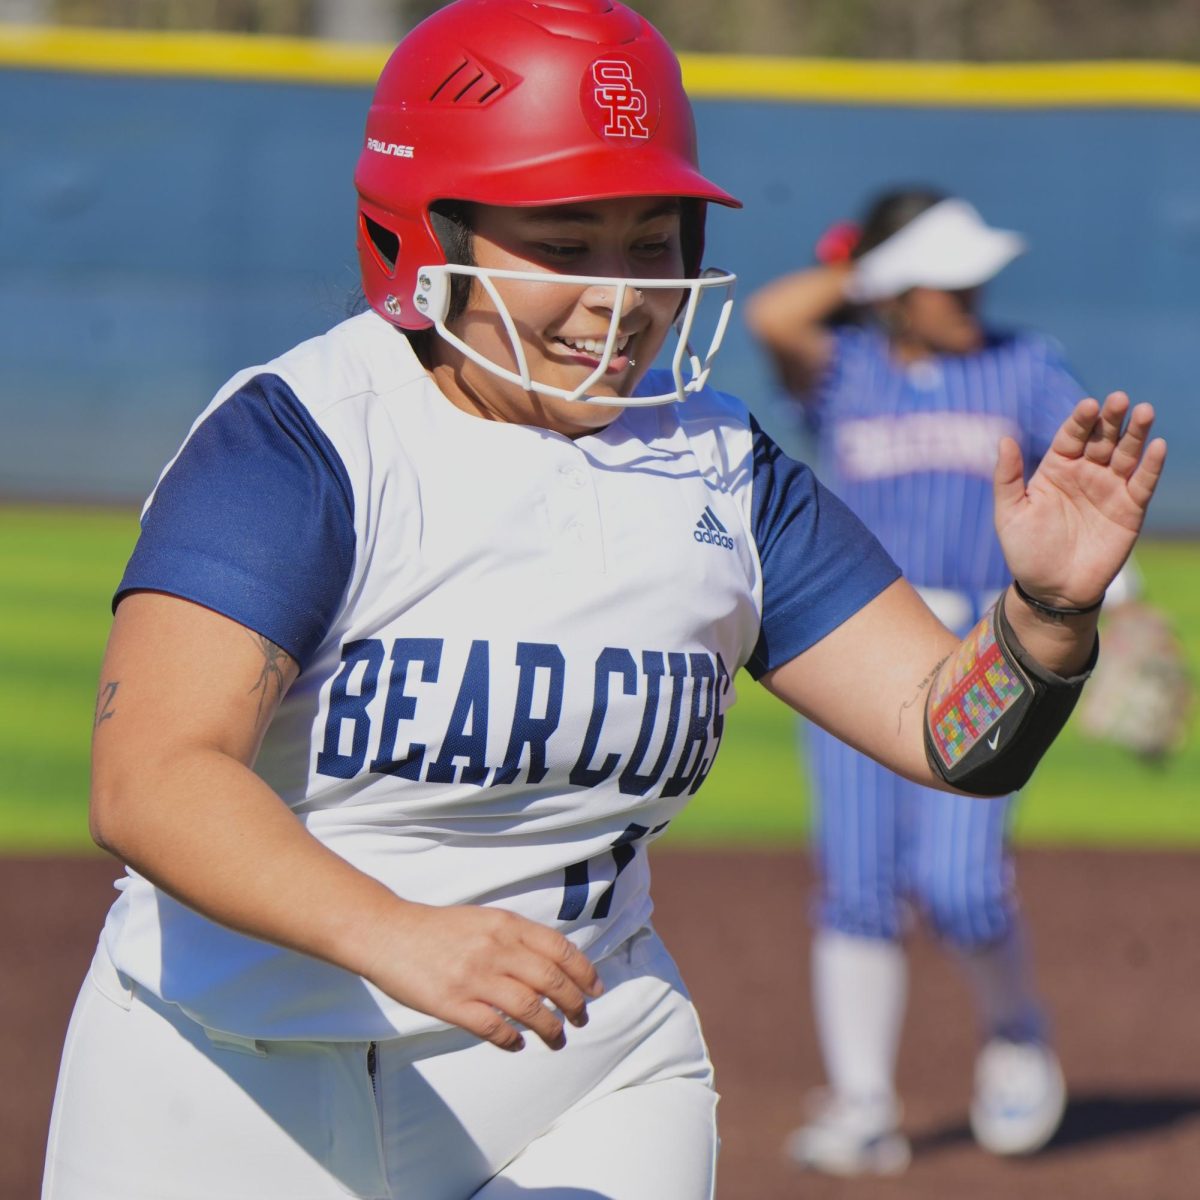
column 1066, row 533
column 475, row 967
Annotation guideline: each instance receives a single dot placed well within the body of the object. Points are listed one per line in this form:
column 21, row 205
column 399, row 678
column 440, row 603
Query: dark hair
column 890, row 211
column 452, row 223
column 692, row 213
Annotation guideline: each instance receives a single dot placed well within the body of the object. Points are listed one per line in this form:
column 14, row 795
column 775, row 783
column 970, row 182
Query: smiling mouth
column 592, row 349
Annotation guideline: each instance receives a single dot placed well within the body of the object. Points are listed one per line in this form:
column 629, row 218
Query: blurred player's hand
column 1066, row 533
column 478, row 967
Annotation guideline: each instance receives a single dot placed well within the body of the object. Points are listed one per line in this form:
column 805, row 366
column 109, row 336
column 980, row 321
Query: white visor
column 432, row 298
column 947, row 247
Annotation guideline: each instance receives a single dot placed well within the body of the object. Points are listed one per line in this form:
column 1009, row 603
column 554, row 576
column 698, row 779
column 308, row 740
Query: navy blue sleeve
column 820, row 563
column 254, row 519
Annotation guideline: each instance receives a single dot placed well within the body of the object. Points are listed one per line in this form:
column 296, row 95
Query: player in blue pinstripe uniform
column 908, row 404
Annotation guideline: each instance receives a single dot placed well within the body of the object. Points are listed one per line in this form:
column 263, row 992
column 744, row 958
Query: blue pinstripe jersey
column 911, row 449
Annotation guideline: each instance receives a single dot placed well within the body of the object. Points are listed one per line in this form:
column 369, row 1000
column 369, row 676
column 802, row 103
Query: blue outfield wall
column 159, row 233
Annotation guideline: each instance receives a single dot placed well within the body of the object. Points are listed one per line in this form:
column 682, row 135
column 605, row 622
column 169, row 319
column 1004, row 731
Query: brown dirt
column 1117, row 943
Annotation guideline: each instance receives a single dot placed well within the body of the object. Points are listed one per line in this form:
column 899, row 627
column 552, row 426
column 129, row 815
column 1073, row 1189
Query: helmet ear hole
column 385, row 243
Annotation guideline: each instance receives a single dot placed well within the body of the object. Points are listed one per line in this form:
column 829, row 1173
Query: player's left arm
column 867, row 680
column 1065, row 535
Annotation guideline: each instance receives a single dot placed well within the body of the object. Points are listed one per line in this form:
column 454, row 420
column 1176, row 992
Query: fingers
column 532, row 975
column 527, row 1008
column 545, row 976
column 1127, row 452
column 1145, row 478
column 1100, row 434
column 572, row 961
column 1073, row 433
column 524, row 993
column 1008, row 480
column 503, row 1003
column 487, row 1024
column 488, row 971
column 1106, row 431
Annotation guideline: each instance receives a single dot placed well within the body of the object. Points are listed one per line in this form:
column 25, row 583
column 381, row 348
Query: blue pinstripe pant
column 884, row 844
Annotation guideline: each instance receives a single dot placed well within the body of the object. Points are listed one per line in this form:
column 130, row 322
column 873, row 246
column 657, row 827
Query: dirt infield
column 1116, row 936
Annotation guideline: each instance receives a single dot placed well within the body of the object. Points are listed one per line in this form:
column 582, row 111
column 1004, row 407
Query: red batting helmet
column 512, row 102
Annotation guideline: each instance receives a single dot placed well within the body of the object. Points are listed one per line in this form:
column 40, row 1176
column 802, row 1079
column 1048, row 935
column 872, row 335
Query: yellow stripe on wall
column 1142, row 84
column 209, row 55
column 992, row 85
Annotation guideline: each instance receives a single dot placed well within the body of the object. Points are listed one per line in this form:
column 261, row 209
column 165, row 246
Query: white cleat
column 851, row 1137
column 1020, row 1097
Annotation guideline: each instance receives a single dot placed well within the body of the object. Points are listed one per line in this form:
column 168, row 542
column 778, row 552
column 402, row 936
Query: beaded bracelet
column 1055, row 613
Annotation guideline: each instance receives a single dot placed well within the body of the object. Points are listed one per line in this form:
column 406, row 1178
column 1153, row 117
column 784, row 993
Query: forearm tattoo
column 104, row 702
column 922, row 687
column 271, row 677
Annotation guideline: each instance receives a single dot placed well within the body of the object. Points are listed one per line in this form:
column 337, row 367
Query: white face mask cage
column 432, row 299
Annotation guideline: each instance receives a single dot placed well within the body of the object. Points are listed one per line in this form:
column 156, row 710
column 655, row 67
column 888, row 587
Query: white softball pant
column 150, row 1106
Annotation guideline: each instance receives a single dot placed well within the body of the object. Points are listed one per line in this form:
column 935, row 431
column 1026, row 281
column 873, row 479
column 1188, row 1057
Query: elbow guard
column 993, row 711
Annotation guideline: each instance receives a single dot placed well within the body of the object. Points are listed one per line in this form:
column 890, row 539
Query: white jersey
column 516, row 649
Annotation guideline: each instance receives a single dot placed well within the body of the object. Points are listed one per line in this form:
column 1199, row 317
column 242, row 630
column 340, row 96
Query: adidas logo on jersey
column 710, row 530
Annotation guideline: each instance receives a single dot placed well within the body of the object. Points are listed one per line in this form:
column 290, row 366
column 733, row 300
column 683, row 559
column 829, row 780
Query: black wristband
column 991, row 715
column 1051, row 610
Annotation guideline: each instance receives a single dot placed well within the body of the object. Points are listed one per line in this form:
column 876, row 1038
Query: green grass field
column 59, row 566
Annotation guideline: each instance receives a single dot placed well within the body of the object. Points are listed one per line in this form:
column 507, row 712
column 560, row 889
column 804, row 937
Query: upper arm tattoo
column 272, row 681
column 922, row 687
column 104, row 702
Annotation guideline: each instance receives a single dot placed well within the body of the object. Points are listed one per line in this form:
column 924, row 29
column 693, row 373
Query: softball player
column 907, row 406
column 431, row 630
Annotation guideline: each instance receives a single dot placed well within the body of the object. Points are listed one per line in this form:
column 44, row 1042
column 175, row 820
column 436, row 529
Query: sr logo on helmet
column 618, row 99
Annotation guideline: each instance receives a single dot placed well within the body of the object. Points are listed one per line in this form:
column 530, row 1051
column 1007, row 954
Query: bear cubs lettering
column 671, row 744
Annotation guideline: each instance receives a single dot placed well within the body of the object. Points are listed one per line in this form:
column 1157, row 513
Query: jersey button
column 573, row 476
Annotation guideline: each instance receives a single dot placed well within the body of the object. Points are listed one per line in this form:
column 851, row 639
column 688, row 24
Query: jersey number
column 576, row 878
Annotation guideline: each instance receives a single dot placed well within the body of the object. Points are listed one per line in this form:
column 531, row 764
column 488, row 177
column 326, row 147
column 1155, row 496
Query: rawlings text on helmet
column 393, row 148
